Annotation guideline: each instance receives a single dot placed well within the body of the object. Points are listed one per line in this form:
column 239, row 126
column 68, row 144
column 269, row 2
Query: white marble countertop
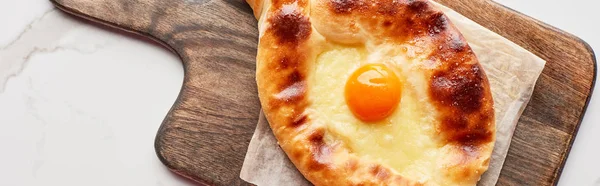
column 80, row 104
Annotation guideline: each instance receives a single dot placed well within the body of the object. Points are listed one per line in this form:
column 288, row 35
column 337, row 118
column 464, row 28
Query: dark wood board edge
column 591, row 91
column 583, row 112
column 161, row 43
column 111, row 25
column 592, row 57
column 173, row 167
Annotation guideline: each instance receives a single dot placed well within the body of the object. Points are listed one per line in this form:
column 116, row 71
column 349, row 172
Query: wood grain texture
column 205, row 135
column 547, row 128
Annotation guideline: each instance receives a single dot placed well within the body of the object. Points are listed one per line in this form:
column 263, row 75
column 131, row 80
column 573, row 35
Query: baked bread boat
column 373, row 92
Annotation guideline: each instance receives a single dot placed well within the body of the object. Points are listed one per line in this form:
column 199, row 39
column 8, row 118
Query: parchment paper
column 511, row 70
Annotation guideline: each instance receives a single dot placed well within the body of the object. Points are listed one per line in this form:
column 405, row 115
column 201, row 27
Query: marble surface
column 80, row 104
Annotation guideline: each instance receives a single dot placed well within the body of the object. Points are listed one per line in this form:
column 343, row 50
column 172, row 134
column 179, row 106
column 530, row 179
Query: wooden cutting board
column 206, row 133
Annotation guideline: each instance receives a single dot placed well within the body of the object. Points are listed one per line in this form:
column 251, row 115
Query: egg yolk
column 373, row 92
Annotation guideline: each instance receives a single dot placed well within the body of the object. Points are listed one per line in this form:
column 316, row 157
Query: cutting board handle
column 208, row 129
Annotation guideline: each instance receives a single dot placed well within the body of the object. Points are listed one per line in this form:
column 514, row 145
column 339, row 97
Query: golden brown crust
column 257, row 6
column 292, row 34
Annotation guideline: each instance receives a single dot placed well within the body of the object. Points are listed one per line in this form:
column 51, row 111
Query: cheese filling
column 404, row 140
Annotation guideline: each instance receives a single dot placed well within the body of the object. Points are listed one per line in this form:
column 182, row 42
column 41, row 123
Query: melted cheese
column 404, row 141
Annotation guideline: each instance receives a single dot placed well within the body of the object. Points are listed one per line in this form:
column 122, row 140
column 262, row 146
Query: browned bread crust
column 294, row 32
